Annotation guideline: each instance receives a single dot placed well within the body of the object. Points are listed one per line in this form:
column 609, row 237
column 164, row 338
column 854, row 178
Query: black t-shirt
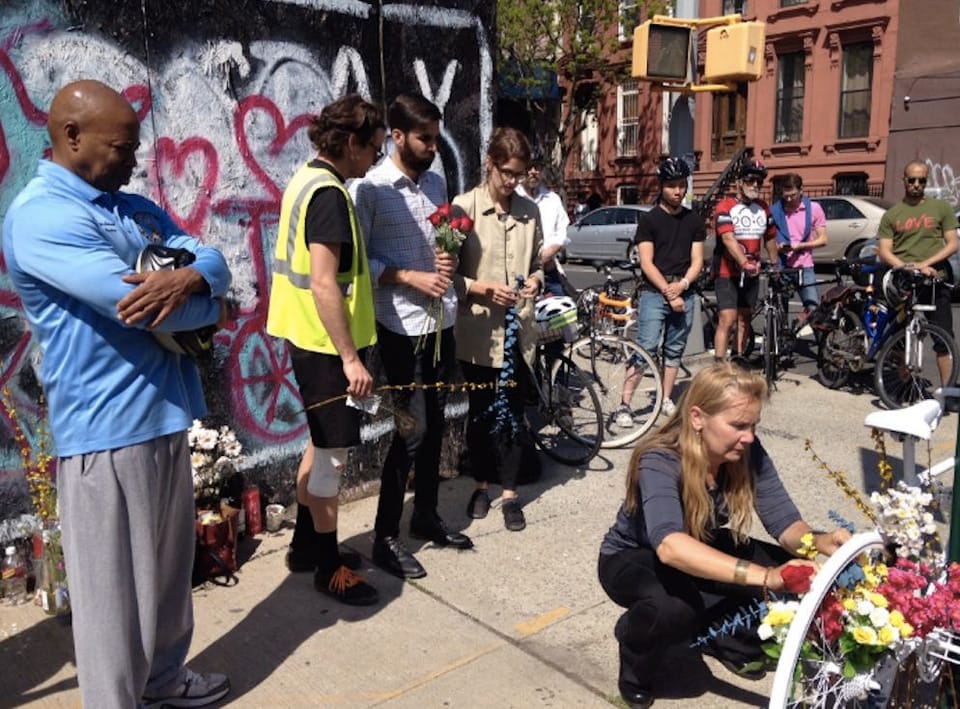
column 328, row 218
column 672, row 236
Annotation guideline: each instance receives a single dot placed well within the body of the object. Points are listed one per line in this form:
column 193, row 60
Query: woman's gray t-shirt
column 661, row 506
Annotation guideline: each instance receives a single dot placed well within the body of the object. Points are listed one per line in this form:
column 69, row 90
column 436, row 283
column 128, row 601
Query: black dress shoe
column 436, row 531
column 391, row 556
column 636, row 698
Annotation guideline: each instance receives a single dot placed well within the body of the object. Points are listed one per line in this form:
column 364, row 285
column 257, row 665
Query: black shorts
column 730, row 296
column 320, row 377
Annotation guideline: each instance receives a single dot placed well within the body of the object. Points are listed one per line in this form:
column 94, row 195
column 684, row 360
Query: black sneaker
column 346, row 586
column 391, row 556
column 479, row 504
column 197, row 690
column 513, row 518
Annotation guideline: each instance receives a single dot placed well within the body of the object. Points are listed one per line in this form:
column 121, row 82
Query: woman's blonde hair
column 712, row 390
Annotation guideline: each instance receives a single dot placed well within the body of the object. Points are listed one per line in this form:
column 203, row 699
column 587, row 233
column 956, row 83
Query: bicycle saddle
column 918, row 421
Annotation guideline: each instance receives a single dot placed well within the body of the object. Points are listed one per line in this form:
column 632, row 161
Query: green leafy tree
column 576, row 40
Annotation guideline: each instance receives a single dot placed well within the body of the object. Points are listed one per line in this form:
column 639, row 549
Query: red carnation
column 796, row 579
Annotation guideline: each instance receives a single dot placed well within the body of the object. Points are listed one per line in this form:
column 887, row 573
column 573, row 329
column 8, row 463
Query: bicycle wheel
column 565, row 419
column 770, row 346
column 604, row 359
column 905, row 377
column 842, row 349
column 805, row 682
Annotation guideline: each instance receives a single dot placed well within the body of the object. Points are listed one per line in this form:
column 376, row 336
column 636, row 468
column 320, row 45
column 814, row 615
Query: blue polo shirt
column 108, row 385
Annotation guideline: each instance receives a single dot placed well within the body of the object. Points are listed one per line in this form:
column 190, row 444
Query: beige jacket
column 495, row 251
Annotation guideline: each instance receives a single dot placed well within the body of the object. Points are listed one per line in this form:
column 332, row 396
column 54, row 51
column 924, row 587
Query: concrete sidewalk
column 520, row 621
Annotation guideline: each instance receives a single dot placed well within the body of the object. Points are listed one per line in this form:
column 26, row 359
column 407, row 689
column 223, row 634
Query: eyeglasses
column 752, row 180
column 915, row 180
column 791, row 195
column 510, row 174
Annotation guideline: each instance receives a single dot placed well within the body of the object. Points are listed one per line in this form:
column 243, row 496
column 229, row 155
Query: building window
column 629, row 18
column 729, row 123
column 588, row 140
column 790, row 84
column 734, row 6
column 627, row 194
column 628, row 109
column 856, row 90
column 850, row 183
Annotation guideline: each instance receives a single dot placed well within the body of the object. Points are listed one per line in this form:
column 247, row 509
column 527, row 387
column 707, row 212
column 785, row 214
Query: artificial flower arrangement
column 884, row 627
column 449, row 233
column 214, row 455
column 39, row 467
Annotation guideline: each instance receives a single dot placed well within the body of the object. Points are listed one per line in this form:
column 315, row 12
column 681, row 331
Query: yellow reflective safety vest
column 292, row 314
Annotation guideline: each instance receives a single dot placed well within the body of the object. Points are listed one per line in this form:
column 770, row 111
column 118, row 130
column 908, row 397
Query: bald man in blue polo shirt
column 119, row 403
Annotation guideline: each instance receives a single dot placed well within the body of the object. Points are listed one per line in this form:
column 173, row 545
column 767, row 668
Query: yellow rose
column 906, row 630
column 849, row 604
column 876, row 599
column 865, row 635
column 888, row 635
column 896, row 619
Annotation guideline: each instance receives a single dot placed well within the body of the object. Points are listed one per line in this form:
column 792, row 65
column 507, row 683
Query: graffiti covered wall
column 224, row 91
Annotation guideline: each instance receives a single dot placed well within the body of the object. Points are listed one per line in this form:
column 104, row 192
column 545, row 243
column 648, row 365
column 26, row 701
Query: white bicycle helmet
column 556, row 315
column 897, row 285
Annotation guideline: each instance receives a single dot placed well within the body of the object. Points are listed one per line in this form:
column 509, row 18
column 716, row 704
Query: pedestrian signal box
column 734, row 52
column 661, row 52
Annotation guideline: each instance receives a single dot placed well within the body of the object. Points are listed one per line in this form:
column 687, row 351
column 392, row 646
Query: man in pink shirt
column 801, row 227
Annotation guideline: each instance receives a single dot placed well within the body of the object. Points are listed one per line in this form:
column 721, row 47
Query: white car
column 851, row 221
column 605, row 233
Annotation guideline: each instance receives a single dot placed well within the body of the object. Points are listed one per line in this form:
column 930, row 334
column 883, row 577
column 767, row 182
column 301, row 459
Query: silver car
column 605, row 233
column 851, row 221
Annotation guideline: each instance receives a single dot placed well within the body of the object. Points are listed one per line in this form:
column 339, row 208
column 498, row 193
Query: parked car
column 851, row 221
column 605, row 233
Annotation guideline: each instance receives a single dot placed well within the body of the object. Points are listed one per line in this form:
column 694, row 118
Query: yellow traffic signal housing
column 734, row 52
column 661, row 52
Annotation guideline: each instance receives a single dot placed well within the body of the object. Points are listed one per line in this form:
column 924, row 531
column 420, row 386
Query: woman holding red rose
column 679, row 556
column 503, row 245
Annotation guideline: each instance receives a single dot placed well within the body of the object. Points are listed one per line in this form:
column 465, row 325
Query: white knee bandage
column 328, row 463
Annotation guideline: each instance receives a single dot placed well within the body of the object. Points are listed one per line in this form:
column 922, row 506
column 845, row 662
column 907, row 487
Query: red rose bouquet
column 449, row 232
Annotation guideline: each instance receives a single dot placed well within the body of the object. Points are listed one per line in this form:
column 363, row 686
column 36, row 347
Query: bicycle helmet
column 556, row 316
column 897, row 286
column 193, row 343
column 673, row 169
column 753, row 168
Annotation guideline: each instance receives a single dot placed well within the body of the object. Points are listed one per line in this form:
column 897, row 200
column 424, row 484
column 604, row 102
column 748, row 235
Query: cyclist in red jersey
column 744, row 229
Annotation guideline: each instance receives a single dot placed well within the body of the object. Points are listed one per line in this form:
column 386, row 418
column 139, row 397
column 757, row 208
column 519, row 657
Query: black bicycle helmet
column 536, row 156
column 673, row 169
column 755, row 168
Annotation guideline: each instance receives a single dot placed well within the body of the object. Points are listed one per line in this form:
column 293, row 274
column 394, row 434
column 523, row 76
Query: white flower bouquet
column 214, row 455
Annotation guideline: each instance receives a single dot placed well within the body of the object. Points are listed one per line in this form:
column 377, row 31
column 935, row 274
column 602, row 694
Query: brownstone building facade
column 822, row 107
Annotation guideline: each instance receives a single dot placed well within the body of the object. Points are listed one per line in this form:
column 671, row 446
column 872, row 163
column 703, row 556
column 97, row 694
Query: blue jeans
column 808, row 293
column 656, row 320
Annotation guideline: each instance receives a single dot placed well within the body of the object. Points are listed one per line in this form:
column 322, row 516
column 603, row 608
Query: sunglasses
column 915, row 180
column 750, row 180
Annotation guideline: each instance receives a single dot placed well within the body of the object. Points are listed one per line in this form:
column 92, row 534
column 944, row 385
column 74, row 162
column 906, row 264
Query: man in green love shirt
column 920, row 233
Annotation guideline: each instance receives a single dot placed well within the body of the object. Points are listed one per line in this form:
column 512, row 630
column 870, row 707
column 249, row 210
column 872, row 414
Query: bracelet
column 685, row 282
column 766, row 588
column 740, row 572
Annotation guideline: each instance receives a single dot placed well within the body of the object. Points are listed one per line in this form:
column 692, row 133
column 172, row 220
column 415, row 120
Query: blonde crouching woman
column 679, row 555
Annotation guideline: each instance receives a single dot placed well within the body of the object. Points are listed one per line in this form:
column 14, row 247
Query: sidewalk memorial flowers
column 214, row 454
column 449, row 233
column 883, row 629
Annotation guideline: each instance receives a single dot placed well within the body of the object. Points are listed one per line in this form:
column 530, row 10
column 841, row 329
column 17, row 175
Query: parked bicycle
column 563, row 413
column 777, row 286
column 911, row 356
column 608, row 346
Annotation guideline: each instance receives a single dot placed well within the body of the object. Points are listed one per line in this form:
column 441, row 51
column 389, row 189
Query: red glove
column 797, row 579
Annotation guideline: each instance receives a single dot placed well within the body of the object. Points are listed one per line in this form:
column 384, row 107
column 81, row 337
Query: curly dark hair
column 330, row 131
